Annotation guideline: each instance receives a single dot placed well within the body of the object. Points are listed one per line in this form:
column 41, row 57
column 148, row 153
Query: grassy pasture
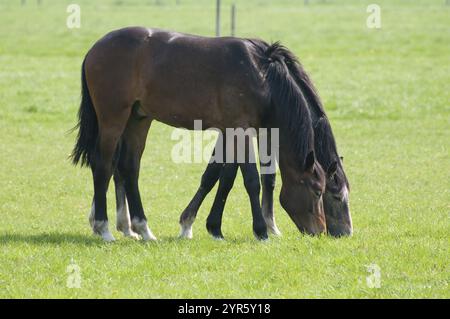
column 386, row 91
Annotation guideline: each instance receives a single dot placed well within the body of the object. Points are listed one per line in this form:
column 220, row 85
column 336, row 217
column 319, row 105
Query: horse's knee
column 227, row 181
column 209, row 178
column 252, row 184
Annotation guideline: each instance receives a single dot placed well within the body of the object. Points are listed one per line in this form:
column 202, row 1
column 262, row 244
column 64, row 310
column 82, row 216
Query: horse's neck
column 288, row 163
column 324, row 143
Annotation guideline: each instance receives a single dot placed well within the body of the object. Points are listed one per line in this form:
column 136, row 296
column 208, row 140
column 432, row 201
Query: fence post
column 233, row 19
column 218, row 18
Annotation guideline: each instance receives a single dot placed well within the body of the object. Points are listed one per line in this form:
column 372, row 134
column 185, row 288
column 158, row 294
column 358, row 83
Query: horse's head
column 301, row 196
column 335, row 201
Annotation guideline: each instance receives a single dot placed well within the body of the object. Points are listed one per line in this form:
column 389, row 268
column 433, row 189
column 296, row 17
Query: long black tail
column 87, row 127
column 287, row 98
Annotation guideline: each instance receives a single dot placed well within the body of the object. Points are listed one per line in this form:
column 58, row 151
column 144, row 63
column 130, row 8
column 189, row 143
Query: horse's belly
column 172, row 110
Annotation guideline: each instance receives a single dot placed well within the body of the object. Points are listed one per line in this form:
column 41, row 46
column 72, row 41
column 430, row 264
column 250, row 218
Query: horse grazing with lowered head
column 335, row 197
column 135, row 75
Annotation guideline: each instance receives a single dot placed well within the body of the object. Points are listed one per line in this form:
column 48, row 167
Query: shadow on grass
column 52, row 238
column 235, row 241
column 60, row 238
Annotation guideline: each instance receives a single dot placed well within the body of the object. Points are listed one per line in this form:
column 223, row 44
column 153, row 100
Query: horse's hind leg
column 133, row 144
column 123, row 222
column 109, row 134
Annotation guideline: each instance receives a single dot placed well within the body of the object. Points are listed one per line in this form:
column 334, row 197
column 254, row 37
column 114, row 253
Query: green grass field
column 386, row 91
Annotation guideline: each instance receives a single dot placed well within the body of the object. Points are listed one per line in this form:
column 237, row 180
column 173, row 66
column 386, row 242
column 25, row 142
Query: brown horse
column 335, row 197
column 136, row 75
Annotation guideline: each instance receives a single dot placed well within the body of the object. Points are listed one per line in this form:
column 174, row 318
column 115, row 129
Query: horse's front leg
column 268, row 186
column 209, row 179
column 267, row 163
column 253, row 187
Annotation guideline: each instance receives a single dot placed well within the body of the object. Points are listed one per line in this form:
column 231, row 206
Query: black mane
column 324, row 142
column 292, row 110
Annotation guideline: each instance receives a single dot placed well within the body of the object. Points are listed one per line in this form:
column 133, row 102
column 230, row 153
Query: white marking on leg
column 269, row 218
column 141, row 227
column 101, row 228
column 123, row 222
column 186, row 231
column 186, row 228
column 271, row 226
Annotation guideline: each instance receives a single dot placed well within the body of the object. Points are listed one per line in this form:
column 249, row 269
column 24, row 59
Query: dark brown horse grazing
column 136, row 75
column 335, row 197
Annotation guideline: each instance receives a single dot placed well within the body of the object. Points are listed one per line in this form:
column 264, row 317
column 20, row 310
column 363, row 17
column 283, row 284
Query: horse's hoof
column 125, row 229
column 274, row 231
column 100, row 227
column 261, row 235
column 272, row 227
column 131, row 234
column 149, row 237
column 260, row 231
column 262, row 238
column 215, row 231
column 140, row 227
column 186, row 232
column 108, row 237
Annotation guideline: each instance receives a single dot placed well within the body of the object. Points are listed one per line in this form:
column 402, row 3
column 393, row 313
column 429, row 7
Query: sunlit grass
column 387, row 94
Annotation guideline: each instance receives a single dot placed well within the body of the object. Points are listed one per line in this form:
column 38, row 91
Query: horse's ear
column 309, row 162
column 332, row 169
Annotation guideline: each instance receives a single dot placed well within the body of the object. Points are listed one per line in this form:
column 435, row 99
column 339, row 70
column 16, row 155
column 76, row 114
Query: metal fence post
column 233, row 20
column 218, row 18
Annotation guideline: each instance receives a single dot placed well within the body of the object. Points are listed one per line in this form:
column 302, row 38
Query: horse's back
column 173, row 73
column 204, row 76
